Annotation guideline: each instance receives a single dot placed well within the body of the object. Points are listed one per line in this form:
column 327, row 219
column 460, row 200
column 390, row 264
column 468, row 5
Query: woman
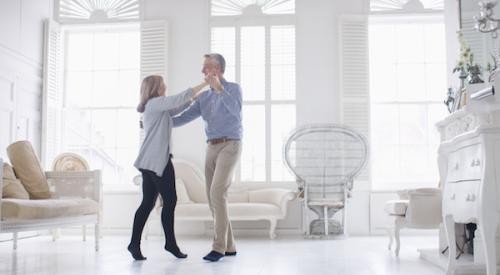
column 154, row 159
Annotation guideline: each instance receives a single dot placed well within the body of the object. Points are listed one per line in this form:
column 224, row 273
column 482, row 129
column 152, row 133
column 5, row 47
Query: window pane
column 104, row 128
column 253, row 158
column 411, row 82
column 283, row 63
column 106, row 55
column 129, row 42
column 403, row 136
column 413, row 124
column 105, row 90
column 435, row 49
column 253, row 63
column 282, row 123
column 77, row 128
column 385, row 164
column 102, row 80
column 128, row 131
column 80, row 51
column 128, row 88
column 78, row 88
column 383, row 85
column 385, row 124
column 223, row 42
column 125, row 169
column 409, row 42
column 382, row 43
column 435, row 81
column 104, row 159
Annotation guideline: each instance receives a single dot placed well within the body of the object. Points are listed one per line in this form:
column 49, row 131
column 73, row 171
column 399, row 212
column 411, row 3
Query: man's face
column 209, row 66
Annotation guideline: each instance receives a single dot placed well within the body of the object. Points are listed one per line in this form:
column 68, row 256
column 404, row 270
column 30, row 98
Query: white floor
column 256, row 256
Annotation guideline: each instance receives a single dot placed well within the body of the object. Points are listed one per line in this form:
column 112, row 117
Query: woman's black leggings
column 151, row 186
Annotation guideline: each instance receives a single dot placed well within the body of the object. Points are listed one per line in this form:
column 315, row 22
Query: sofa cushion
column 28, row 169
column 12, row 188
column 236, row 210
column 16, row 209
column 235, row 197
column 180, row 190
column 8, row 172
column 396, row 207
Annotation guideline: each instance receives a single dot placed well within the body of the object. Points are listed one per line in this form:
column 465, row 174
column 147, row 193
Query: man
column 220, row 108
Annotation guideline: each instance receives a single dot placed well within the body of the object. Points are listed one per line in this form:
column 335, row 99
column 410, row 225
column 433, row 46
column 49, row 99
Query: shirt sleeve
column 232, row 99
column 190, row 114
column 175, row 111
column 166, row 103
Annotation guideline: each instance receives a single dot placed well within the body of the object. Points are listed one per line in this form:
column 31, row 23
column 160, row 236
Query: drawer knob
column 456, row 166
column 452, row 197
column 472, row 197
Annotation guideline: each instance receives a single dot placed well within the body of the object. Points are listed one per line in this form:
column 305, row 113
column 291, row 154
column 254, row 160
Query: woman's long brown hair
column 150, row 88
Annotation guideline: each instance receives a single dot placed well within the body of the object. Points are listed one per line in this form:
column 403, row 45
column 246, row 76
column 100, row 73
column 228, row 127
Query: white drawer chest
column 469, row 167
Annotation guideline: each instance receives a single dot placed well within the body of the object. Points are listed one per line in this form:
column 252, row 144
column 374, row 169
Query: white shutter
column 52, row 93
column 154, row 38
column 476, row 41
column 354, row 76
column 154, row 42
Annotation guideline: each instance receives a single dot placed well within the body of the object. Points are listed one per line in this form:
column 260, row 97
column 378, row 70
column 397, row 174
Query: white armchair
column 418, row 208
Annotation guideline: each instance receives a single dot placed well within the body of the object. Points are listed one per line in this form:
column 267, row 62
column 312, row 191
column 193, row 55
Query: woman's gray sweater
column 157, row 122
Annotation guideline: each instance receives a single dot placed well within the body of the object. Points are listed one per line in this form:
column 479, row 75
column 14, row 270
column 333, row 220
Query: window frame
column 395, row 18
column 267, row 21
column 85, row 28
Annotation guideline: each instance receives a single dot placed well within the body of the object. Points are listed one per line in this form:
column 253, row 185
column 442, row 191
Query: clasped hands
column 213, row 80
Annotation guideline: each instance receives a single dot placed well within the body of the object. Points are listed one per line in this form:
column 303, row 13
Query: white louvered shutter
column 154, row 42
column 354, row 78
column 52, row 93
column 154, row 38
column 475, row 40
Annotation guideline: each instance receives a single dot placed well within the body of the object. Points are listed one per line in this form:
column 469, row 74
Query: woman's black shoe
column 136, row 252
column 176, row 252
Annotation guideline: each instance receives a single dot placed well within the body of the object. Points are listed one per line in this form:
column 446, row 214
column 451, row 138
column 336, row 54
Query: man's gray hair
column 219, row 59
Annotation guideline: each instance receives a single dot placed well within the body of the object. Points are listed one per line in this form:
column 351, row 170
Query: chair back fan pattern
column 325, row 159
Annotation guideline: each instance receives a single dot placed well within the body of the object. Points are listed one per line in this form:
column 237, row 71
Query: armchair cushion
column 12, row 187
column 13, row 209
column 396, row 207
column 28, row 169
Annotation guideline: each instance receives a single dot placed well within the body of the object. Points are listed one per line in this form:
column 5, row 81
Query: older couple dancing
column 220, row 108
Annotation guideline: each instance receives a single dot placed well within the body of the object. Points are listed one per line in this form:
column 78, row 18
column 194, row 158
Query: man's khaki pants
column 219, row 167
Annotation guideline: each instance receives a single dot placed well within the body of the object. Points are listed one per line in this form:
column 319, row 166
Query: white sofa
column 244, row 205
column 75, row 199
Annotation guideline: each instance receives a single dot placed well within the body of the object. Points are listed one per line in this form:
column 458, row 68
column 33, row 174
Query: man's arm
column 175, row 111
column 165, row 103
column 193, row 112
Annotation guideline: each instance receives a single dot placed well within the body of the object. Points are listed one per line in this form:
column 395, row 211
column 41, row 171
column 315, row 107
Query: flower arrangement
column 465, row 64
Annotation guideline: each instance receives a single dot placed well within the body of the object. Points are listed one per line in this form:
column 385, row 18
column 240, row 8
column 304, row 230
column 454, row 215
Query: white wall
column 21, row 46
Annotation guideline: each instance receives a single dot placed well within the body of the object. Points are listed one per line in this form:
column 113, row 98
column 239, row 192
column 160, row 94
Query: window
column 78, row 11
column 260, row 55
column 249, row 7
column 408, row 5
column 101, row 92
column 407, row 84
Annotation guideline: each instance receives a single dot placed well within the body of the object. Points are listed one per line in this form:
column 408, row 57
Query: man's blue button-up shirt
column 221, row 112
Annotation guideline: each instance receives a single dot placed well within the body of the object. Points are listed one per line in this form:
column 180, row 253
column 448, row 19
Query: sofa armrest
column 85, row 184
column 276, row 196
